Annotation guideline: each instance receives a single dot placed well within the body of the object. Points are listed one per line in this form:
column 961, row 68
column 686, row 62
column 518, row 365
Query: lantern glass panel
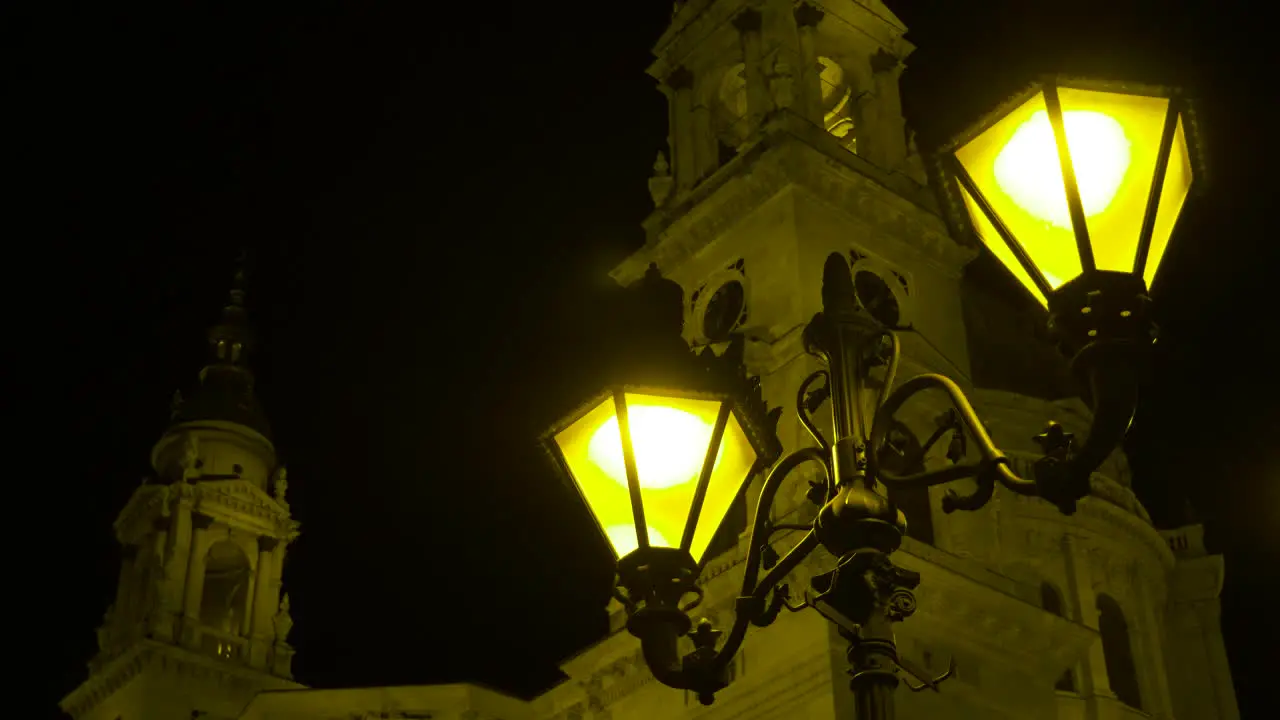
column 1114, row 141
column 1177, row 181
column 1014, row 164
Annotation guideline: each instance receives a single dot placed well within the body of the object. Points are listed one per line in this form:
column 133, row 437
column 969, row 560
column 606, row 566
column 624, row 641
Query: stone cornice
column 1100, row 517
column 146, row 503
column 235, row 502
column 106, row 681
column 149, row 654
column 794, row 153
column 244, row 435
column 993, row 622
column 873, row 19
column 689, row 28
column 674, row 233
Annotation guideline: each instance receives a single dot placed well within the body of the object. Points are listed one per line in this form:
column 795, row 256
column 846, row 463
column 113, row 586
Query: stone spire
column 230, row 340
column 225, row 390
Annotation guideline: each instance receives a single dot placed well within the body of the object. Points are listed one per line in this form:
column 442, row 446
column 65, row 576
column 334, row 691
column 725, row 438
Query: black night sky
column 431, row 194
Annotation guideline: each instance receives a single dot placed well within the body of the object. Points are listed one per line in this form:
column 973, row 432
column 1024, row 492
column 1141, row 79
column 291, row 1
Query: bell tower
column 786, row 144
column 199, row 625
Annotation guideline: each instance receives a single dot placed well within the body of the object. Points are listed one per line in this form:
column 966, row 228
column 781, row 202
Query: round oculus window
column 875, row 296
column 724, row 311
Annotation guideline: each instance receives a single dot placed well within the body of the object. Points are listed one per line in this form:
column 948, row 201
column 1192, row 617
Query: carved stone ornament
column 661, row 183
column 190, row 460
column 283, row 621
column 280, row 484
column 104, row 630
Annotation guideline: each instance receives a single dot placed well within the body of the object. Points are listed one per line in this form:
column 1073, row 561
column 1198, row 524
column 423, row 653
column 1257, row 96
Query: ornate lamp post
column 1076, row 188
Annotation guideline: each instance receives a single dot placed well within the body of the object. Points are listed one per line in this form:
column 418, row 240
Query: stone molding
column 689, row 29
column 151, row 655
column 1101, row 518
column 239, row 499
column 231, row 501
column 783, row 158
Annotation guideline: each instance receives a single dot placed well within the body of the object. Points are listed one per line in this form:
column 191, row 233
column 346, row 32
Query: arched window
column 226, row 580
column 1117, row 652
column 1051, row 601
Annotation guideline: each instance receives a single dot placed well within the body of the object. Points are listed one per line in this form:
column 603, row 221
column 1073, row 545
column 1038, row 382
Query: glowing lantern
column 1074, row 178
column 656, row 469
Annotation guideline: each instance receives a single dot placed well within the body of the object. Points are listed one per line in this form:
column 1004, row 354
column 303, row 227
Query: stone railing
column 1186, row 541
column 228, row 646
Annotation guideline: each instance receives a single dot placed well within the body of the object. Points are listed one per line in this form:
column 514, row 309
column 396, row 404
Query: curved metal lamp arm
column 659, row 629
column 985, row 469
column 859, row 524
column 1061, row 476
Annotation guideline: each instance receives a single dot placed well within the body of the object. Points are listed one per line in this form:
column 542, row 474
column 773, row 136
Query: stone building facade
column 786, row 143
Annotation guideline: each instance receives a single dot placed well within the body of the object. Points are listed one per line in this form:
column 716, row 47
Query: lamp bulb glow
column 670, row 446
column 1028, row 169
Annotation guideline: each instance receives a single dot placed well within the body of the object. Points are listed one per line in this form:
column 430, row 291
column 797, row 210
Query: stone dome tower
column 199, row 625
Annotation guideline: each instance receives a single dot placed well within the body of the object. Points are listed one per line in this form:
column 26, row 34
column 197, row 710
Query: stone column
column 127, row 584
column 1209, row 616
column 173, row 538
column 681, row 83
column 748, row 23
column 1084, row 610
column 887, row 129
column 705, row 150
column 263, row 604
column 807, row 19
column 1146, row 636
column 195, row 579
column 246, row 613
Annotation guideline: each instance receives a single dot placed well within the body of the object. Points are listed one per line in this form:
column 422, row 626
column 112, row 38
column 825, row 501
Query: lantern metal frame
column 758, row 430
column 949, row 175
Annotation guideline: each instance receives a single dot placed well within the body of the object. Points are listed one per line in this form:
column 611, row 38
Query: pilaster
column 1151, row 640
column 1209, row 613
column 807, row 18
column 706, row 150
column 681, row 83
column 127, row 584
column 174, row 537
column 195, row 579
column 885, row 128
column 263, row 606
column 1196, row 653
column 748, row 24
column 1084, row 608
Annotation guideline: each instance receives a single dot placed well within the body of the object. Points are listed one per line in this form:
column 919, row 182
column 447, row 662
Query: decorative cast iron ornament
column 641, row 492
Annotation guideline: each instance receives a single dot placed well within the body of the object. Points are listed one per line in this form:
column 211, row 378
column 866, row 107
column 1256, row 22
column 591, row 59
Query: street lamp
column 659, row 469
column 1075, row 187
